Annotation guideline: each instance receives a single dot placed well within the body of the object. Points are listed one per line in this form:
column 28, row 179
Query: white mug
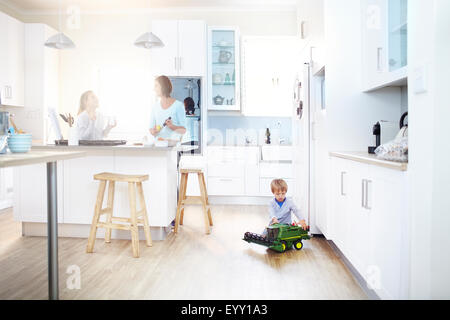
column 73, row 136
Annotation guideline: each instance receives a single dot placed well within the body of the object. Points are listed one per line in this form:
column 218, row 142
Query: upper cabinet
column 184, row 51
column 12, row 61
column 223, row 69
column 384, row 39
column 270, row 67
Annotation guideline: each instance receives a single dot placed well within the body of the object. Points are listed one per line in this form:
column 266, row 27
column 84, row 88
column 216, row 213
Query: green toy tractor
column 280, row 237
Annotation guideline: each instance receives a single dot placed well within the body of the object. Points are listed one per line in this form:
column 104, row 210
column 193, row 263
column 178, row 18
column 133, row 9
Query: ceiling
column 30, row 6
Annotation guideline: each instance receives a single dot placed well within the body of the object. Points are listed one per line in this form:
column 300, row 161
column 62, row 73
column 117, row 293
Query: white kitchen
column 343, row 104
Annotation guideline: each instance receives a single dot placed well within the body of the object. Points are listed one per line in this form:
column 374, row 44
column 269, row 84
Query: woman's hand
column 170, row 125
column 110, row 126
column 155, row 130
column 274, row 221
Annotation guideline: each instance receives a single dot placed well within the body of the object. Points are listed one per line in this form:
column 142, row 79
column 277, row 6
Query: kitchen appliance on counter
column 384, row 132
column 182, row 88
column 4, row 127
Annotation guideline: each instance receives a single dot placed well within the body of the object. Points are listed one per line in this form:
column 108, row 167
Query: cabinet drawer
column 226, row 170
column 226, row 186
column 248, row 155
column 277, row 170
column 265, row 191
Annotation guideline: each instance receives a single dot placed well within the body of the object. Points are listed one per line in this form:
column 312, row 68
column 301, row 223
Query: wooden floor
column 189, row 265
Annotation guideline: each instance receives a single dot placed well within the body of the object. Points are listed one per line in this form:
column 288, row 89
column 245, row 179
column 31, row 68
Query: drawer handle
column 367, row 194
column 226, row 180
column 342, row 183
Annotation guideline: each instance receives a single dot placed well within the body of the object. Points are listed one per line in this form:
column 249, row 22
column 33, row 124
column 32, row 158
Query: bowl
column 19, row 143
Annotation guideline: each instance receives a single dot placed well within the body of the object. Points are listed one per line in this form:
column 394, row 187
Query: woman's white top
column 89, row 129
column 159, row 116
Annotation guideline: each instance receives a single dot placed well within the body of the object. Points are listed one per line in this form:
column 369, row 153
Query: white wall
column 429, row 31
column 353, row 112
column 106, row 61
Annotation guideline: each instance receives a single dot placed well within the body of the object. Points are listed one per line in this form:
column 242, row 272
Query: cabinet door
column 14, row 69
column 30, row 193
column 224, row 69
column 340, row 220
column 165, row 59
column 80, row 188
column 6, row 188
column 3, row 56
column 387, row 237
column 358, row 217
column 192, row 48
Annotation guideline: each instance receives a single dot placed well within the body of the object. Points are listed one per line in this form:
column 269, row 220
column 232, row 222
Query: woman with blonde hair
column 90, row 123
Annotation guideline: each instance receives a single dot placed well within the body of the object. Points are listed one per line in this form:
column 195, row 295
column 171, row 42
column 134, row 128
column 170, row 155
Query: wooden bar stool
column 184, row 200
column 136, row 217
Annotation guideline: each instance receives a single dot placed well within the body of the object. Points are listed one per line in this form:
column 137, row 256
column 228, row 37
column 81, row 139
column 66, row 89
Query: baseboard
column 65, row 230
column 371, row 294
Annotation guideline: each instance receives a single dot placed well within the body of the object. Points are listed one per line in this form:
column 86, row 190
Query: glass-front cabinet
column 384, row 38
column 223, row 69
column 398, row 34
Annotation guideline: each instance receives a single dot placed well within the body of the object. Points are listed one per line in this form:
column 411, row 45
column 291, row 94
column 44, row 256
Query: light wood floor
column 189, row 265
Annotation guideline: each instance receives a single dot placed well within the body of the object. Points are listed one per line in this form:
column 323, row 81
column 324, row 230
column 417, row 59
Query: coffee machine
column 384, row 131
column 4, row 127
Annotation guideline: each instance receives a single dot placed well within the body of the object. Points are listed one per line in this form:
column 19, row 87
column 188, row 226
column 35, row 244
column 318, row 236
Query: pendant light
column 60, row 40
column 148, row 41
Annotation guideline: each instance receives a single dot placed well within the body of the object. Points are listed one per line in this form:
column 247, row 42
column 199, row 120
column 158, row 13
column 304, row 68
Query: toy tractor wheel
column 298, row 245
column 283, row 246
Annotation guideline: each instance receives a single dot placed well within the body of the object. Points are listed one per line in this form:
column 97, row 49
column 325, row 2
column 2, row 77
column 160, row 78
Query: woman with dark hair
column 168, row 117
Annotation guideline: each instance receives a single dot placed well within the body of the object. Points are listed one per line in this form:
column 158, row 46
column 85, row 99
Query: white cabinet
column 11, row 61
column 80, row 189
column 239, row 171
column 233, row 171
column 30, row 193
column 270, row 67
column 224, row 69
column 385, row 28
column 184, row 51
column 369, row 224
column 6, row 188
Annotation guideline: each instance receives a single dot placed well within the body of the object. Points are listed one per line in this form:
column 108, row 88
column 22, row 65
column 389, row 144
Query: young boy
column 281, row 208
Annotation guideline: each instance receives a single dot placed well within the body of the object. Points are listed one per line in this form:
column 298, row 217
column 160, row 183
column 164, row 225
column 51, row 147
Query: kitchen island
column 78, row 191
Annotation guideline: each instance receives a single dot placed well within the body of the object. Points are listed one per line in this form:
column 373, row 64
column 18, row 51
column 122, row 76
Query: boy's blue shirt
column 283, row 211
column 280, row 203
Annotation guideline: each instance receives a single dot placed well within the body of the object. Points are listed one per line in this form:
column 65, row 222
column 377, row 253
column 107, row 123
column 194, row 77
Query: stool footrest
column 127, row 220
column 113, row 226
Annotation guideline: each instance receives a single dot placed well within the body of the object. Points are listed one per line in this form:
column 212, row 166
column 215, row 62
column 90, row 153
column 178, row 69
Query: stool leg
column 184, row 197
column 180, row 201
column 203, row 199
column 134, row 226
column 111, row 188
column 144, row 214
column 207, row 200
column 95, row 219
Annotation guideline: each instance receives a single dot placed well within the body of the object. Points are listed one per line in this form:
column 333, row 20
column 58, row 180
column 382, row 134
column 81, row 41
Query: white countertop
column 372, row 159
column 37, row 156
column 121, row 148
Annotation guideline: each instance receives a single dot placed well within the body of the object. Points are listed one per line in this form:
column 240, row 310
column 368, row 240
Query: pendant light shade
column 148, row 40
column 60, row 41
